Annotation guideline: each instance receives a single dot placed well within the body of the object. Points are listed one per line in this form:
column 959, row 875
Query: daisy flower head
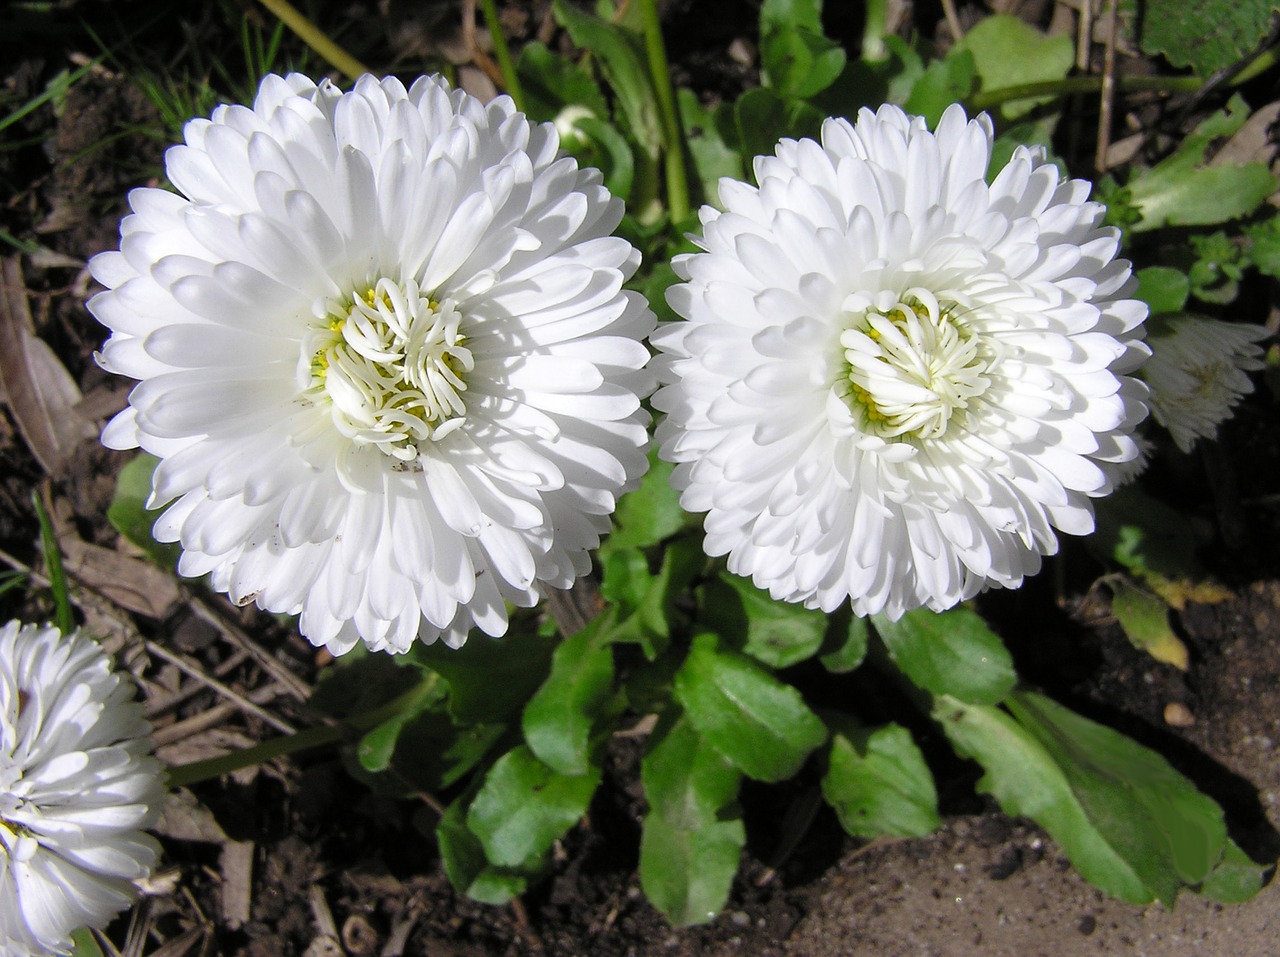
column 385, row 357
column 896, row 382
column 1198, row 371
column 77, row 786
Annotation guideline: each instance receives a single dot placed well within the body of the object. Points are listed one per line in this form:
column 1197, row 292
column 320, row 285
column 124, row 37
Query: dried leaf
column 236, row 863
column 132, row 583
column 184, row 818
column 1252, row 143
column 38, row 389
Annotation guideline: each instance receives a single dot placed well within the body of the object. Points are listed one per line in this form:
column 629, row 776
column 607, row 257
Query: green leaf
column 1236, row 879
column 1163, row 289
column 763, row 118
column 84, row 944
column 432, row 753
column 877, row 781
column 693, row 834
column 1028, row 782
column 610, row 152
column 1145, row 620
column 846, row 647
column 1129, row 822
column 363, row 680
column 558, row 719
column 1264, row 246
column 1182, row 191
column 944, row 82
column 128, row 513
column 626, row 578
column 654, row 289
column 1010, row 52
column 490, row 679
column 1220, row 262
column 1208, row 36
column 427, row 749
column 465, row 864
column 902, row 70
column 791, row 15
column 650, row 624
column 378, row 745
column 650, row 513
column 524, row 807
column 779, row 634
column 551, row 82
column 713, row 157
column 1173, row 833
column 1027, row 133
column 621, row 54
column 949, row 653
column 760, row 724
column 799, row 62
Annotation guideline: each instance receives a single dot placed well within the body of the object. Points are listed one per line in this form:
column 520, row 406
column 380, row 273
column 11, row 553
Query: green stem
column 873, row 45
column 502, row 51
column 1083, row 84
column 320, row 735
column 1262, row 62
column 673, row 153
column 317, row 39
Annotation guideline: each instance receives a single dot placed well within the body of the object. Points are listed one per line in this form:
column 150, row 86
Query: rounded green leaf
column 1163, row 288
column 559, row 717
column 845, row 646
column 878, row 783
column 524, row 807
column 466, row 867
column 760, row 724
column 779, row 634
column 950, row 653
column 693, row 834
column 1007, row 51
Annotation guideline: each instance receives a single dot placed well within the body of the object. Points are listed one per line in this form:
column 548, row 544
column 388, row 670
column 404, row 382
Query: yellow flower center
column 392, row 363
column 913, row 369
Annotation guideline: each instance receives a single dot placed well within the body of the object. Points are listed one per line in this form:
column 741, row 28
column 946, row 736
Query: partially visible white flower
column 77, row 788
column 896, row 382
column 1198, row 370
column 386, row 357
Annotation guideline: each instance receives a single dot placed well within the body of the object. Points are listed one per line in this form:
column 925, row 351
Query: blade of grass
column 11, row 579
column 316, row 38
column 56, row 88
column 502, row 52
column 187, row 774
column 21, row 245
column 53, row 564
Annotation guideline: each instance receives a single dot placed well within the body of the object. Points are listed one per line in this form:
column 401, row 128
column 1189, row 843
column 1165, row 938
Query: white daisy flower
column 1198, row 371
column 77, row 786
column 385, row 355
column 895, row 381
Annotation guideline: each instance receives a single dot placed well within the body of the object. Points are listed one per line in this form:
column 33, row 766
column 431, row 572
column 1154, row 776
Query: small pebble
column 1178, row 715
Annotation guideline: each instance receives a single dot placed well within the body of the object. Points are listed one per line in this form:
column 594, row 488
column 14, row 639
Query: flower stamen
column 912, row 369
column 392, row 363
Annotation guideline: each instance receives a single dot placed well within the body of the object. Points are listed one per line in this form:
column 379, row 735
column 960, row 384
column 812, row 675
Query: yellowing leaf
column 1145, row 620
